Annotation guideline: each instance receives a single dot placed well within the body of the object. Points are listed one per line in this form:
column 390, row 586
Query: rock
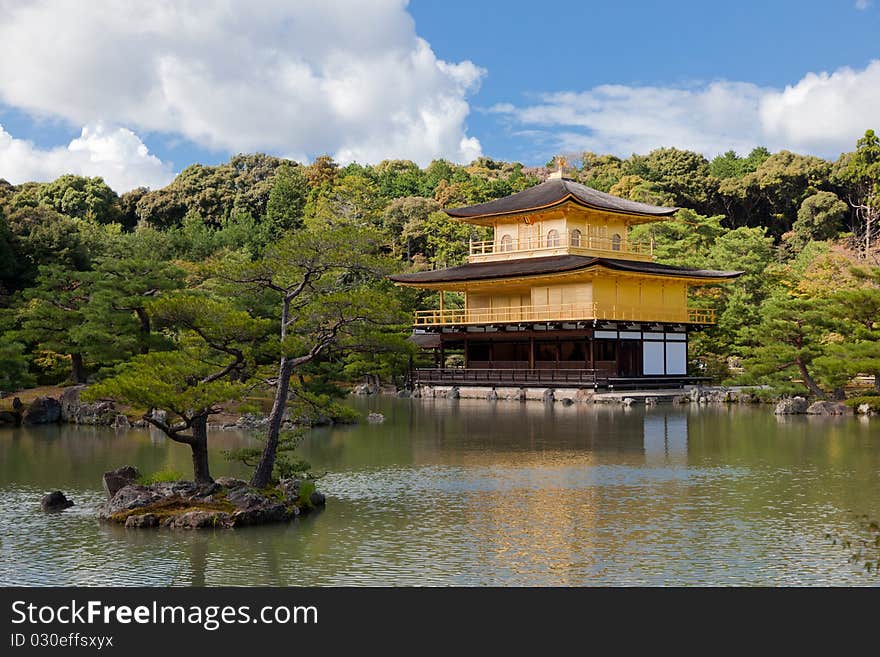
column 549, row 396
column 115, row 480
column 650, row 401
column 75, row 411
column 8, row 417
column 17, row 406
column 745, row 397
column 492, row 395
column 317, row 498
column 290, row 489
column 141, row 521
column 199, row 520
column 55, row 501
column 584, row 396
column 865, row 409
column 70, row 403
column 228, row 502
column 260, row 515
column 245, row 498
column 365, row 389
column 828, row 408
column 454, row 393
column 121, row 422
column 182, row 489
column 375, row 418
column 628, row 401
column 159, row 415
column 43, row 410
column 230, row 482
column 130, row 497
column 567, row 401
column 791, row 406
column 681, row 399
column 404, row 393
column 251, row 421
column 207, row 490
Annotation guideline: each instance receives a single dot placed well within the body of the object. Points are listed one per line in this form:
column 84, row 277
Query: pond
column 468, row 492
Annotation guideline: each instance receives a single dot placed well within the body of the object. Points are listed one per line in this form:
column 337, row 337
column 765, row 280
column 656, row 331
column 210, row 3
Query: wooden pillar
column 531, row 353
column 465, row 351
column 442, row 355
column 441, row 303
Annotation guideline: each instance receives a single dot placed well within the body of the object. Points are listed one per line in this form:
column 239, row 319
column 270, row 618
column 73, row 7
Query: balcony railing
column 563, row 312
column 568, row 241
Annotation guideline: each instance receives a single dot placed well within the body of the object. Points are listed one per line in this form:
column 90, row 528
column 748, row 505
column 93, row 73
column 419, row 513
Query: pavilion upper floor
column 560, row 217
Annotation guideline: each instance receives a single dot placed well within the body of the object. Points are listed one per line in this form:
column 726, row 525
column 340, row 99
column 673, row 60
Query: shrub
column 161, row 476
column 872, row 401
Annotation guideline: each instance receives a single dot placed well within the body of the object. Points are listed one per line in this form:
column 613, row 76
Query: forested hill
column 796, row 224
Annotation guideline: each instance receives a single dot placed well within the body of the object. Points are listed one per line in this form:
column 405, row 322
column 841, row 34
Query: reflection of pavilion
column 666, row 439
column 561, row 491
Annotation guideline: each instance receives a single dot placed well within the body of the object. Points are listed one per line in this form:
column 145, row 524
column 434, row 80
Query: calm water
column 469, row 492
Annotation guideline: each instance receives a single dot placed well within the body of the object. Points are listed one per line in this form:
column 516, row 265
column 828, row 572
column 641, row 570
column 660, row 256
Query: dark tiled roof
column 551, row 265
column 553, row 192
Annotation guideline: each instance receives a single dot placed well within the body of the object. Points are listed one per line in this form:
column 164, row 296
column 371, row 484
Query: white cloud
column 822, row 113
column 862, row 5
column 348, row 77
column 118, row 155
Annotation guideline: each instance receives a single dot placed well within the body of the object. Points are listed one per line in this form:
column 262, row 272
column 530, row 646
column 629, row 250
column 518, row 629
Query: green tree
column 789, row 339
column 684, row 240
column 41, row 236
column 287, row 199
column 53, row 312
column 14, row 365
column 730, row 165
column 600, row 172
column 351, row 199
column 684, row 175
column 820, row 217
column 214, row 342
column 772, row 195
column 860, row 172
column 856, row 310
column 123, row 286
column 403, row 220
column 328, row 293
column 81, row 197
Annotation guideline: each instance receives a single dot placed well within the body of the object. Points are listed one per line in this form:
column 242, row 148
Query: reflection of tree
column 198, row 560
column 861, row 540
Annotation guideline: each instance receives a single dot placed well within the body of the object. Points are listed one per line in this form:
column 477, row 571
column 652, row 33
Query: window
column 478, row 351
column 605, row 350
column 553, row 238
column 575, row 237
column 572, row 351
column 615, row 242
column 546, row 351
column 507, row 243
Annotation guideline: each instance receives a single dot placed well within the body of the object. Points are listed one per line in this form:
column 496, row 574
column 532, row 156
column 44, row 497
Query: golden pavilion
column 561, row 295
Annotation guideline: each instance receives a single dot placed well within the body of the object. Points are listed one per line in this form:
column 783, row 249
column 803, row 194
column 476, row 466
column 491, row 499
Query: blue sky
column 563, row 46
column 137, row 93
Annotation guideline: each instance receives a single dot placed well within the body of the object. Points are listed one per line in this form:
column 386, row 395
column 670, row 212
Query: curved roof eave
column 564, row 264
column 555, row 192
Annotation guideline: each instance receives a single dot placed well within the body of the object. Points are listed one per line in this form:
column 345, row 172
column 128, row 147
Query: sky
column 135, row 92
